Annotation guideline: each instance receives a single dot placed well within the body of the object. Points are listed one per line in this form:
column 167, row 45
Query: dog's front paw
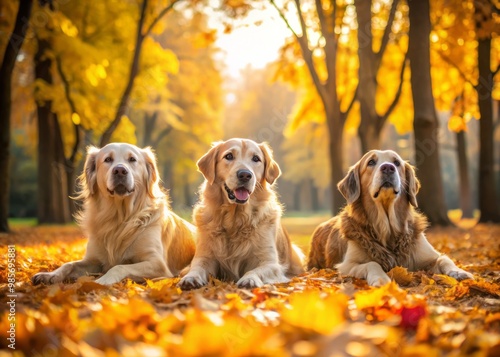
column 249, row 282
column 191, row 282
column 379, row 280
column 460, row 274
column 46, row 278
column 107, row 279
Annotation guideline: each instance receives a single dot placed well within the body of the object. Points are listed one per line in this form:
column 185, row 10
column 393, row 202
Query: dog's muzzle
column 240, row 195
column 121, row 181
column 388, row 178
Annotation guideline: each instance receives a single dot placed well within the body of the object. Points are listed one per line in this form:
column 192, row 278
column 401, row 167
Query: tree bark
column 7, row 67
column 53, row 202
column 336, row 152
column 488, row 201
column 465, row 193
column 425, row 123
column 367, row 131
column 372, row 123
column 297, row 201
column 314, row 196
column 149, row 127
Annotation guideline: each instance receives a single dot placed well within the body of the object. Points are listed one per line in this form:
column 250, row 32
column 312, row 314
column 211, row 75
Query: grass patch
column 23, row 222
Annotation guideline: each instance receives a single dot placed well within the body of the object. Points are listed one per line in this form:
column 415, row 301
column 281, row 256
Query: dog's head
column 239, row 167
column 120, row 170
column 381, row 176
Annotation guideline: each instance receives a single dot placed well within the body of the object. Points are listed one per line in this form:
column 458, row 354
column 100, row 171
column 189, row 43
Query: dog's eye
column 132, row 159
column 255, row 158
column 108, row 159
column 229, row 157
column 371, row 162
column 397, row 163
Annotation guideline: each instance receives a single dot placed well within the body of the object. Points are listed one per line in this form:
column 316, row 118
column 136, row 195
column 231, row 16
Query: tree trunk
column 367, row 131
column 168, row 179
column 314, row 196
column 7, row 67
column 188, row 195
column 335, row 129
column 425, row 123
column 53, row 204
column 297, row 197
column 465, row 193
column 149, row 127
column 488, row 202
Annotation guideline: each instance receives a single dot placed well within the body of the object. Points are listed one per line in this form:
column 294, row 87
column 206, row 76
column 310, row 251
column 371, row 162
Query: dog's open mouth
column 120, row 190
column 386, row 184
column 240, row 195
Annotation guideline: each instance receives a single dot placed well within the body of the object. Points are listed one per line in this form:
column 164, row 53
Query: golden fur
column 379, row 228
column 132, row 233
column 240, row 237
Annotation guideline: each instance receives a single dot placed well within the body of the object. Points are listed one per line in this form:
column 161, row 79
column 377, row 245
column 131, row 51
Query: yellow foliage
column 376, row 297
column 75, row 118
column 457, row 124
column 313, row 311
column 125, row 131
column 401, row 276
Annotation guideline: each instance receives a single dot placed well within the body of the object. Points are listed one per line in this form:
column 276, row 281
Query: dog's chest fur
column 114, row 229
column 390, row 251
column 237, row 235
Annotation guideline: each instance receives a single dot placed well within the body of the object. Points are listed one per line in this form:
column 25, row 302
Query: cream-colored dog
column 379, row 228
column 132, row 233
column 240, row 237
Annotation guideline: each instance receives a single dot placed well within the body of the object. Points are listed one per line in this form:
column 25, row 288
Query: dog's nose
column 120, row 170
column 388, row 168
column 244, row 175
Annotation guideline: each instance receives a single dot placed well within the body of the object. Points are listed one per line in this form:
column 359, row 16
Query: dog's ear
column 350, row 185
column 271, row 168
column 152, row 187
column 412, row 183
column 88, row 179
column 208, row 162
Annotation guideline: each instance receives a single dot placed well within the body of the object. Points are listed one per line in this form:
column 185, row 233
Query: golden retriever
column 238, row 220
column 379, row 228
column 132, row 233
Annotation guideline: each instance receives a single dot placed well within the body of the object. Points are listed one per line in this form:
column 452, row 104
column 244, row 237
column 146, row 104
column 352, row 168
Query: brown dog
column 379, row 228
column 240, row 237
column 132, row 231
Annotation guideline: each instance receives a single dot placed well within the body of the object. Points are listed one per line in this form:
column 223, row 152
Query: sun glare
column 253, row 42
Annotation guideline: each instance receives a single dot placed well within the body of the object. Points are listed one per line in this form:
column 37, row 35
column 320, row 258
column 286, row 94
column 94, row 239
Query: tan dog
column 379, row 228
column 240, row 237
column 131, row 230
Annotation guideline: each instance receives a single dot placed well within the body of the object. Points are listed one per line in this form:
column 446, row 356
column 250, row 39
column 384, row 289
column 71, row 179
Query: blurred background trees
column 150, row 72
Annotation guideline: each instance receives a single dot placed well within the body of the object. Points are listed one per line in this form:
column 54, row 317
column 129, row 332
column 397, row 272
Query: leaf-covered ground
column 316, row 314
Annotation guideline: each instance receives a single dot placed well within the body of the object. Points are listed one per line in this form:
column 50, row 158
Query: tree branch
column 134, row 69
column 283, row 17
column 494, row 73
column 330, row 44
column 307, row 53
column 160, row 15
column 67, row 92
column 351, row 104
column 395, row 101
column 386, row 35
column 161, row 135
column 450, row 62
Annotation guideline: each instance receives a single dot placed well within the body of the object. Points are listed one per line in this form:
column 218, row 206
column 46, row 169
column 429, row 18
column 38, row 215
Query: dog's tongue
column 241, row 194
